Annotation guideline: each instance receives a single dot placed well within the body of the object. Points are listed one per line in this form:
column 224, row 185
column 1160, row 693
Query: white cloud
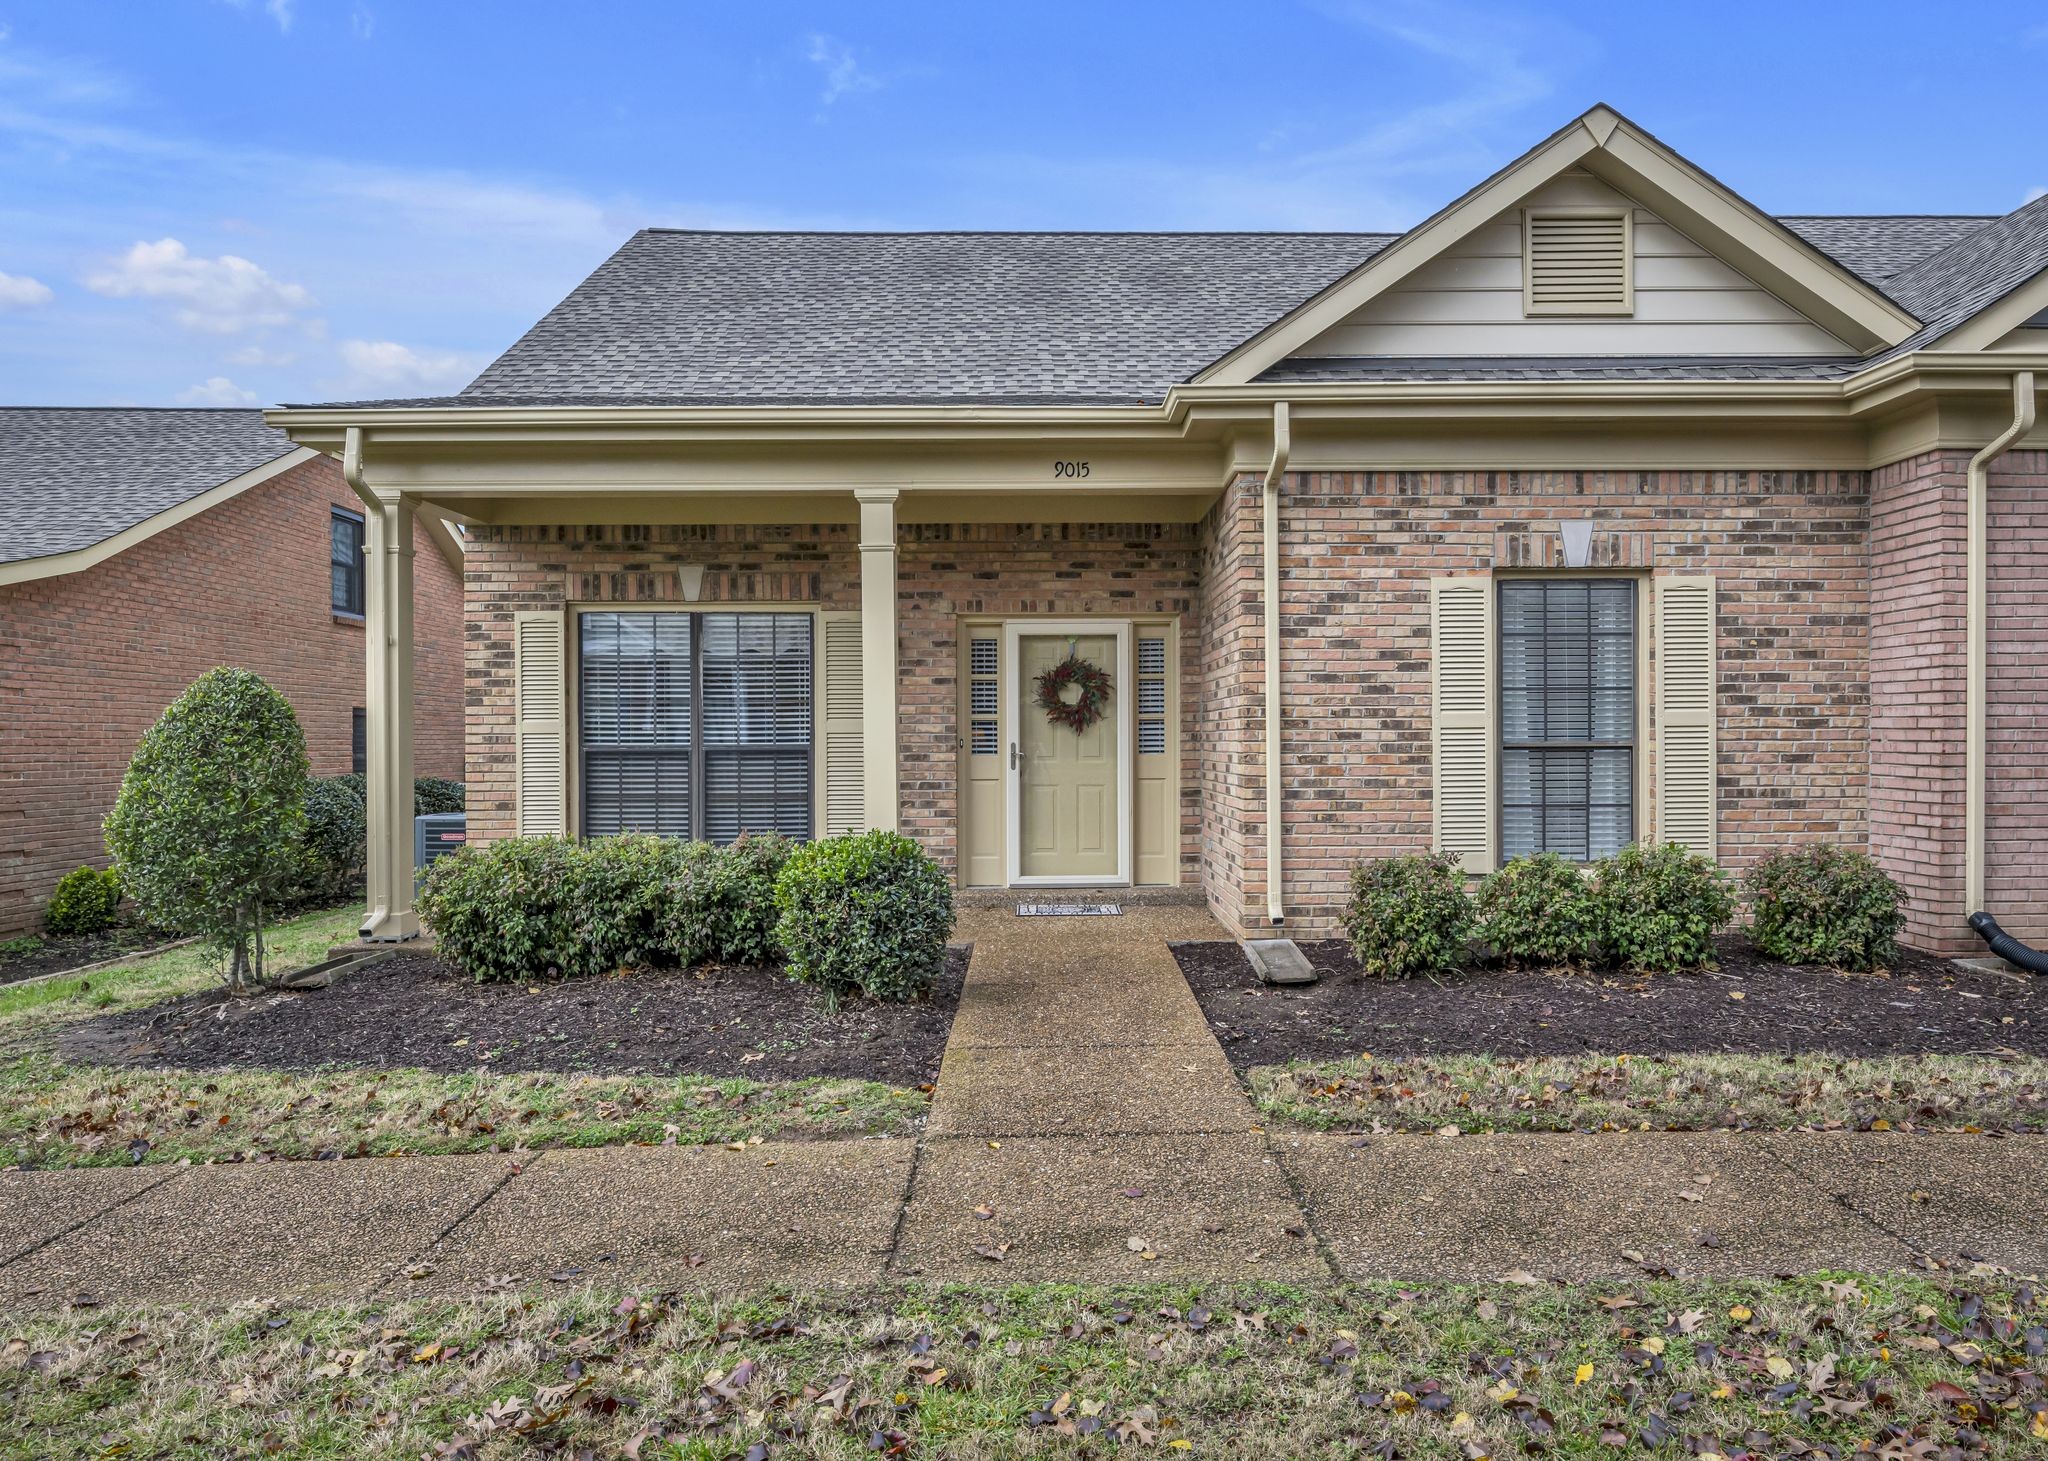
column 843, row 73
column 386, row 363
column 216, row 390
column 362, row 23
column 256, row 356
column 225, row 296
column 18, row 291
column 281, row 12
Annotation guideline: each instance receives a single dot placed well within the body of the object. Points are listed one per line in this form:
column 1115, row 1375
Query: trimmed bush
column 1539, row 911
column 1659, row 908
column 1408, row 915
column 85, row 902
column 336, row 837
column 867, row 913
column 209, row 821
column 743, row 914
column 514, row 910
column 432, row 794
column 1825, row 905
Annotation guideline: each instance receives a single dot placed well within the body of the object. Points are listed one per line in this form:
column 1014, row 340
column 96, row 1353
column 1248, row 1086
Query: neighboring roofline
column 1636, row 164
column 77, row 560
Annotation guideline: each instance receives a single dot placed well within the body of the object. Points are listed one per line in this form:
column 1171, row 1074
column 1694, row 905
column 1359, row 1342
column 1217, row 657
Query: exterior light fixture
column 691, row 578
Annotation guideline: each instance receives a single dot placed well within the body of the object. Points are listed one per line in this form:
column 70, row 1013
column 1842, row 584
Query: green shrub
column 514, row 911
column 687, row 903
column 211, row 814
column 1825, row 905
column 1408, row 915
column 867, row 913
column 743, row 912
column 1659, row 908
column 85, row 902
column 621, row 887
column 335, row 839
column 431, row 794
column 1539, row 910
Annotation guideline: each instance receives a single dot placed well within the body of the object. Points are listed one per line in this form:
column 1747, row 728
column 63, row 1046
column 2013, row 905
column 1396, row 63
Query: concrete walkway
column 1086, row 1126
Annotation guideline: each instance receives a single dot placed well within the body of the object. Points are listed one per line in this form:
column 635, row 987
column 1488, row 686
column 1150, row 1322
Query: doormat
column 1069, row 910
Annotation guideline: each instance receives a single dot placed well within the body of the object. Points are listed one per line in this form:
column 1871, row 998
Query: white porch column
column 387, row 713
column 878, row 653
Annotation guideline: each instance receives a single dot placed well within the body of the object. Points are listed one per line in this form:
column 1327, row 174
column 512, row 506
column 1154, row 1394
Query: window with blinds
column 1151, row 697
column 345, row 566
column 695, row 725
column 1567, row 716
column 984, row 697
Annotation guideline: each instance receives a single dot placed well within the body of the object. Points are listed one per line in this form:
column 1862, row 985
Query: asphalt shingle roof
column 1978, row 270
column 71, row 477
column 1070, row 318
column 686, row 318
column 1879, row 247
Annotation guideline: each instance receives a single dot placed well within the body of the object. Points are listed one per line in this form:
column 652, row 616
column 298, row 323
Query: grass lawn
column 55, row 1114
column 1906, row 1367
column 1476, row 1093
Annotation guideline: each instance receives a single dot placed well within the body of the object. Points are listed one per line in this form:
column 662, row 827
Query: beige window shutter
column 1461, row 706
column 1685, row 712
column 540, row 676
column 842, row 799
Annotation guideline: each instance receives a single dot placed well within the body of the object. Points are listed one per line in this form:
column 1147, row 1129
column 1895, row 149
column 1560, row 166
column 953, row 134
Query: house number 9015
column 1070, row 469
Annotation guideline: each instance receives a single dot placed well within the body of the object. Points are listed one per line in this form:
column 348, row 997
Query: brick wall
column 2016, row 683
column 1917, row 549
column 1229, row 732
column 89, row 660
column 1359, row 549
column 944, row 572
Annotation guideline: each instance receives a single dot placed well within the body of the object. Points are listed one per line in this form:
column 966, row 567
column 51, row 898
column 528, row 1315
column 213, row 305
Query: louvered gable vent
column 1578, row 263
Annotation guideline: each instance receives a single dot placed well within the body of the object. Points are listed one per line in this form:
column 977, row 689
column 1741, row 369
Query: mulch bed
column 413, row 1010
column 1924, row 1005
column 53, row 955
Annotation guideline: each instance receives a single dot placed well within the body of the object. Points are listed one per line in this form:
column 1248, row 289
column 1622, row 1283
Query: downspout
column 1974, row 617
column 1276, row 468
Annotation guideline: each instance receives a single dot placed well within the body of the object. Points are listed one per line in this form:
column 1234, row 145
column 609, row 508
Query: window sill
column 355, row 619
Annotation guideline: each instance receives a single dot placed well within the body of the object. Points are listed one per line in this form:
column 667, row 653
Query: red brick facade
column 1839, row 603
column 88, row 661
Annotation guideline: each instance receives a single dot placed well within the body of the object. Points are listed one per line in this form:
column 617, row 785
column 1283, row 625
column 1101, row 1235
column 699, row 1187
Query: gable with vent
column 1575, row 268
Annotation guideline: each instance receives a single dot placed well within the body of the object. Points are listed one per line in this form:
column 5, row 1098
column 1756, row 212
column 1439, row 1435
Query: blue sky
column 249, row 201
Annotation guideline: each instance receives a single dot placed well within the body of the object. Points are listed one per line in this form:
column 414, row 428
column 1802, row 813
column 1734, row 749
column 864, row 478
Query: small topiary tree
column 1539, row 910
column 1658, row 908
column 84, row 903
column 208, row 824
column 866, row 913
column 1825, row 905
column 1408, row 915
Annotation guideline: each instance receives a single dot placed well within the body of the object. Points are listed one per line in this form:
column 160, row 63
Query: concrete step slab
column 984, row 1091
column 275, row 1229
column 1568, row 1206
column 1952, row 1195
column 37, row 1206
column 800, row 1213
column 1208, row 1207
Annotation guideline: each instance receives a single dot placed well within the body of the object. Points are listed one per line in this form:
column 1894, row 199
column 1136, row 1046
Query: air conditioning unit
column 435, row 835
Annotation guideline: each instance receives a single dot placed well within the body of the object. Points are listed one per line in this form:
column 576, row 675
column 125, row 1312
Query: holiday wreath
column 1092, row 681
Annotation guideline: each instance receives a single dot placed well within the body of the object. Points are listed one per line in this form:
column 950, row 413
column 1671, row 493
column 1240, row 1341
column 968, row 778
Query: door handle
column 1015, row 763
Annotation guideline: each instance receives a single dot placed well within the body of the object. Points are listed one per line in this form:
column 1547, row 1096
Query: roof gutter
column 1974, row 615
column 1269, row 528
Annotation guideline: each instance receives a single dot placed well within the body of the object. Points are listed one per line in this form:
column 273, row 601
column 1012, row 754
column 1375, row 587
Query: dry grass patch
column 1943, row 1365
column 1479, row 1093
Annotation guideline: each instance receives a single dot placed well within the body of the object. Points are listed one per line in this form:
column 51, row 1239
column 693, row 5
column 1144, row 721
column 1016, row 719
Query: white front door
column 1069, row 799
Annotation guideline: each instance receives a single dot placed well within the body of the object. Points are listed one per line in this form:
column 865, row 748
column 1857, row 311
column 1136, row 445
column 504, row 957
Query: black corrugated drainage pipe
column 2006, row 946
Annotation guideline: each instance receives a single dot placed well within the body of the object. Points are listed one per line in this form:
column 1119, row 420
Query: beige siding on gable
column 1469, row 302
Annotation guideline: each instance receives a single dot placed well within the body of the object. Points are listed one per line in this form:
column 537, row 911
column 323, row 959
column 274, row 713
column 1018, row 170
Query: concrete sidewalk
column 1086, row 1126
